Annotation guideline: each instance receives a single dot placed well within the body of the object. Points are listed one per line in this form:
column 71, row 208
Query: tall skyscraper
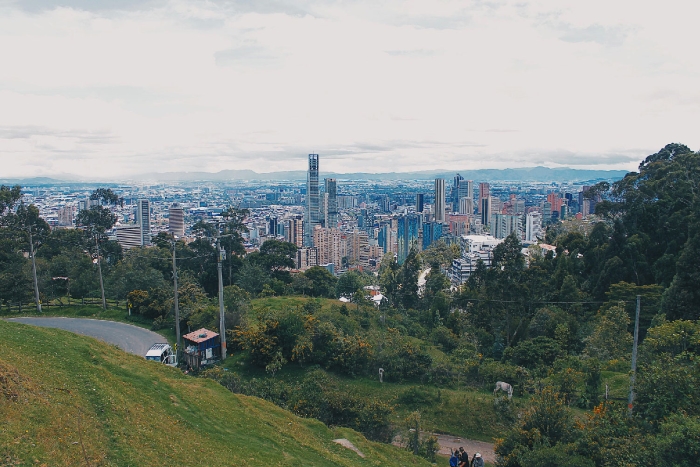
column 176, row 220
column 483, row 194
column 432, row 231
column 143, row 220
column 331, row 203
column 485, row 210
column 440, row 200
column 313, row 202
column 419, row 202
column 407, row 236
column 461, row 189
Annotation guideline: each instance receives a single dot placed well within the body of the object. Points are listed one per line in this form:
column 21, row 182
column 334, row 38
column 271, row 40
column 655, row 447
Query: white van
column 162, row 353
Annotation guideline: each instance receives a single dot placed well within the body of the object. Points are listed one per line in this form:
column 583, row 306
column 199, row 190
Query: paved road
column 127, row 337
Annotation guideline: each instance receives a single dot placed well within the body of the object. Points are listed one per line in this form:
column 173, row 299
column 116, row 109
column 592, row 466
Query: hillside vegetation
column 70, row 400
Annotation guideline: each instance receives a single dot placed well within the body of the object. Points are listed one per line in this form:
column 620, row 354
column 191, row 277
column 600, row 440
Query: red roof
column 200, row 335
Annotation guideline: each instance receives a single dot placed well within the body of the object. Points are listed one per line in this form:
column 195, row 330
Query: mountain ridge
column 521, row 174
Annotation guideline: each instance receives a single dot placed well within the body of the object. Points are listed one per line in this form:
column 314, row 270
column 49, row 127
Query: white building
column 533, row 226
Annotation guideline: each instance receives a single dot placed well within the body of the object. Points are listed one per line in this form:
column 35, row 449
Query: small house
column 201, row 347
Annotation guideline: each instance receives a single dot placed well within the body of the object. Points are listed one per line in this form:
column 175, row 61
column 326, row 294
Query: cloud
column 125, row 87
column 609, row 36
column 246, row 54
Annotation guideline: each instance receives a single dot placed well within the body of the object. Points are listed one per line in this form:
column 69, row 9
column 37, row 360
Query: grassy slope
column 464, row 412
column 56, row 387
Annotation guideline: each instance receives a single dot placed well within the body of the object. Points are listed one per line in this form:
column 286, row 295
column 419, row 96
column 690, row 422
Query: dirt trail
column 449, row 443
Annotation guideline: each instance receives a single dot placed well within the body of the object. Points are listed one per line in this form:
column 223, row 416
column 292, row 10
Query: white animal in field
column 381, row 375
column 505, row 387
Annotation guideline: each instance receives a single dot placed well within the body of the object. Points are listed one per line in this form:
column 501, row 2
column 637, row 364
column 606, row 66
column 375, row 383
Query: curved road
column 127, row 337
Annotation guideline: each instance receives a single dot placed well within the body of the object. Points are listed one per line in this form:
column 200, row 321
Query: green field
column 70, row 400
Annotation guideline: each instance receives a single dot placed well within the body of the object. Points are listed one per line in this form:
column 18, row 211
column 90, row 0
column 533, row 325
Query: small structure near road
column 201, row 347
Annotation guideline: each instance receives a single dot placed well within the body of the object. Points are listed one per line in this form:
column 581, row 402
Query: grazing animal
column 505, row 387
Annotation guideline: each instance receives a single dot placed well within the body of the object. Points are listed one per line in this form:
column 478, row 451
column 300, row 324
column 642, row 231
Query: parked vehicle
column 162, row 353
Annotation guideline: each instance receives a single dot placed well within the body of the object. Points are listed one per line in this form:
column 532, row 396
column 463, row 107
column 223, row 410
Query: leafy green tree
column 548, row 422
column 322, row 282
column 408, row 280
column 610, row 339
column 682, row 299
column 252, row 278
column 349, row 283
column 678, row 442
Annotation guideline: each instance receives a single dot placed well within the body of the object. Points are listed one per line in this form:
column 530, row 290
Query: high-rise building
column 313, row 202
column 176, row 220
column 406, row 236
column 272, row 226
column 358, row 248
column 454, row 194
column 533, row 226
column 505, row 224
column 65, row 216
column 306, row 258
column 129, row 236
column 328, row 243
column 420, row 197
column 461, row 189
column 466, row 206
column 143, row 220
column 485, row 210
column 483, row 194
column 331, row 204
column 440, row 200
column 432, row 231
column 294, row 231
column 384, row 237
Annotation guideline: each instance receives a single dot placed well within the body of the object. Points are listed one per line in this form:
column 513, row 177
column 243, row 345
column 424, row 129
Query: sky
column 106, row 89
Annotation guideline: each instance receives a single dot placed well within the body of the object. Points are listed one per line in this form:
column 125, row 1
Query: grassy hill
column 70, row 400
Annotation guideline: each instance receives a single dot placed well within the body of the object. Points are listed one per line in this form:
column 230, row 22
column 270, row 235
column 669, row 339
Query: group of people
column 460, row 458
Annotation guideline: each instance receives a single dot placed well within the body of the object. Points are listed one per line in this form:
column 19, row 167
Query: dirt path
column 449, row 443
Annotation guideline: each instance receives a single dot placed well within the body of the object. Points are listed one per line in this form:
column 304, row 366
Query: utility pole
column 630, row 403
column 36, row 284
column 99, row 269
column 222, row 324
column 177, row 306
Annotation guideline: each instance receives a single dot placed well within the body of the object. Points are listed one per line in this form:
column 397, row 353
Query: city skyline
column 123, row 88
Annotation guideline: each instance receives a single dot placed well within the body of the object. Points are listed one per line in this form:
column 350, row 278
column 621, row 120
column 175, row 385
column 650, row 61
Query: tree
column 610, row 339
column 323, row 282
column 547, row 423
column 408, row 280
column 96, row 221
column 682, row 299
column 348, row 284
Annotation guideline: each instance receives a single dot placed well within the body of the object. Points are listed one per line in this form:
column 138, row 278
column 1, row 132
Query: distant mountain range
column 525, row 174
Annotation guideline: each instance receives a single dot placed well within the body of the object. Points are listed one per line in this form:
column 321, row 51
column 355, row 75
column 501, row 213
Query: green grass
column 70, row 400
column 466, row 413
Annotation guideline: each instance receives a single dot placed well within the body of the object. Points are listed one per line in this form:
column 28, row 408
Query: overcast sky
column 113, row 88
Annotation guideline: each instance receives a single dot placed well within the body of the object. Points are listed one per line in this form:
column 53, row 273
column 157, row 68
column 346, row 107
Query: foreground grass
column 70, row 400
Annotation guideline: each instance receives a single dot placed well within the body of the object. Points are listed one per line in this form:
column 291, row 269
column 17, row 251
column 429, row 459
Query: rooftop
column 200, row 335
